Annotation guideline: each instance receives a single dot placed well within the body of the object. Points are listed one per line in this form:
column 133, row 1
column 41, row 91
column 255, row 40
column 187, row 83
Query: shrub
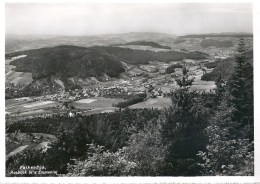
column 102, row 163
column 171, row 69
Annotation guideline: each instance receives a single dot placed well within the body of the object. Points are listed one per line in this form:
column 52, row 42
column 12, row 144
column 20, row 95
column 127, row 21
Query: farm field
column 17, row 150
column 156, row 103
column 36, row 112
column 18, row 77
column 39, row 104
column 14, row 77
column 14, row 102
column 96, row 104
column 92, row 106
column 24, row 141
column 100, row 110
column 28, row 108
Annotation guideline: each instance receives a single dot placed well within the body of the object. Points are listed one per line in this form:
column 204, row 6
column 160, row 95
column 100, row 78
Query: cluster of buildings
column 77, row 94
column 111, row 91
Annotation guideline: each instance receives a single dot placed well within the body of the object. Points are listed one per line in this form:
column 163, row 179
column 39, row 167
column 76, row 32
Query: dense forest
column 132, row 100
column 68, row 61
column 201, row 134
column 171, row 68
column 132, row 56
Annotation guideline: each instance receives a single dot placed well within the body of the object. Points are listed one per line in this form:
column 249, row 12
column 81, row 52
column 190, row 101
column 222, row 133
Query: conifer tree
column 231, row 149
column 183, row 130
column 185, row 82
column 219, row 90
column 241, row 91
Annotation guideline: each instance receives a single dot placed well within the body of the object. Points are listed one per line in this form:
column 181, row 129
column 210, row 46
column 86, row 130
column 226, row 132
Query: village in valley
column 150, row 79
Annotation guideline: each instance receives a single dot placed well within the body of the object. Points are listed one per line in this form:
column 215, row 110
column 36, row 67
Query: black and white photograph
column 129, row 89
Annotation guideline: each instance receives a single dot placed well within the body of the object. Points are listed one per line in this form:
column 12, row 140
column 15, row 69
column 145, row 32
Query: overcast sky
column 89, row 19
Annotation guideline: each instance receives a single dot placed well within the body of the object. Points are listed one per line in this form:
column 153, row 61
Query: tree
column 220, row 89
column 230, row 150
column 183, row 129
column 102, row 163
column 241, row 91
column 226, row 154
column 145, row 148
column 184, row 82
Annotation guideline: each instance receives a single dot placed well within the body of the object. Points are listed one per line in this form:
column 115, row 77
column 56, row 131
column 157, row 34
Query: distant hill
column 236, row 35
column 144, row 36
column 67, row 61
column 16, row 42
column 148, row 43
column 177, row 41
column 217, row 43
column 132, row 56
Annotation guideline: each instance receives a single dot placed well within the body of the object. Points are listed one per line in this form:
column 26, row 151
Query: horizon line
column 131, row 32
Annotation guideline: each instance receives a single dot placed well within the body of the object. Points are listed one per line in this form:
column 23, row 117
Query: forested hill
column 67, row 61
column 148, row 43
column 133, row 56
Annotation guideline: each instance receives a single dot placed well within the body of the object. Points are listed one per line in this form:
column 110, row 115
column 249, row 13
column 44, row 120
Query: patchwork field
column 39, row 104
column 18, row 77
column 157, row 103
column 14, row 102
column 36, row 112
column 93, row 103
column 28, row 108
column 17, row 142
column 96, row 105
column 14, row 77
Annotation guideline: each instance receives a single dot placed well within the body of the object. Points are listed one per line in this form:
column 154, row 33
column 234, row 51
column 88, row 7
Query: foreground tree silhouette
column 241, row 91
column 182, row 131
column 231, row 149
